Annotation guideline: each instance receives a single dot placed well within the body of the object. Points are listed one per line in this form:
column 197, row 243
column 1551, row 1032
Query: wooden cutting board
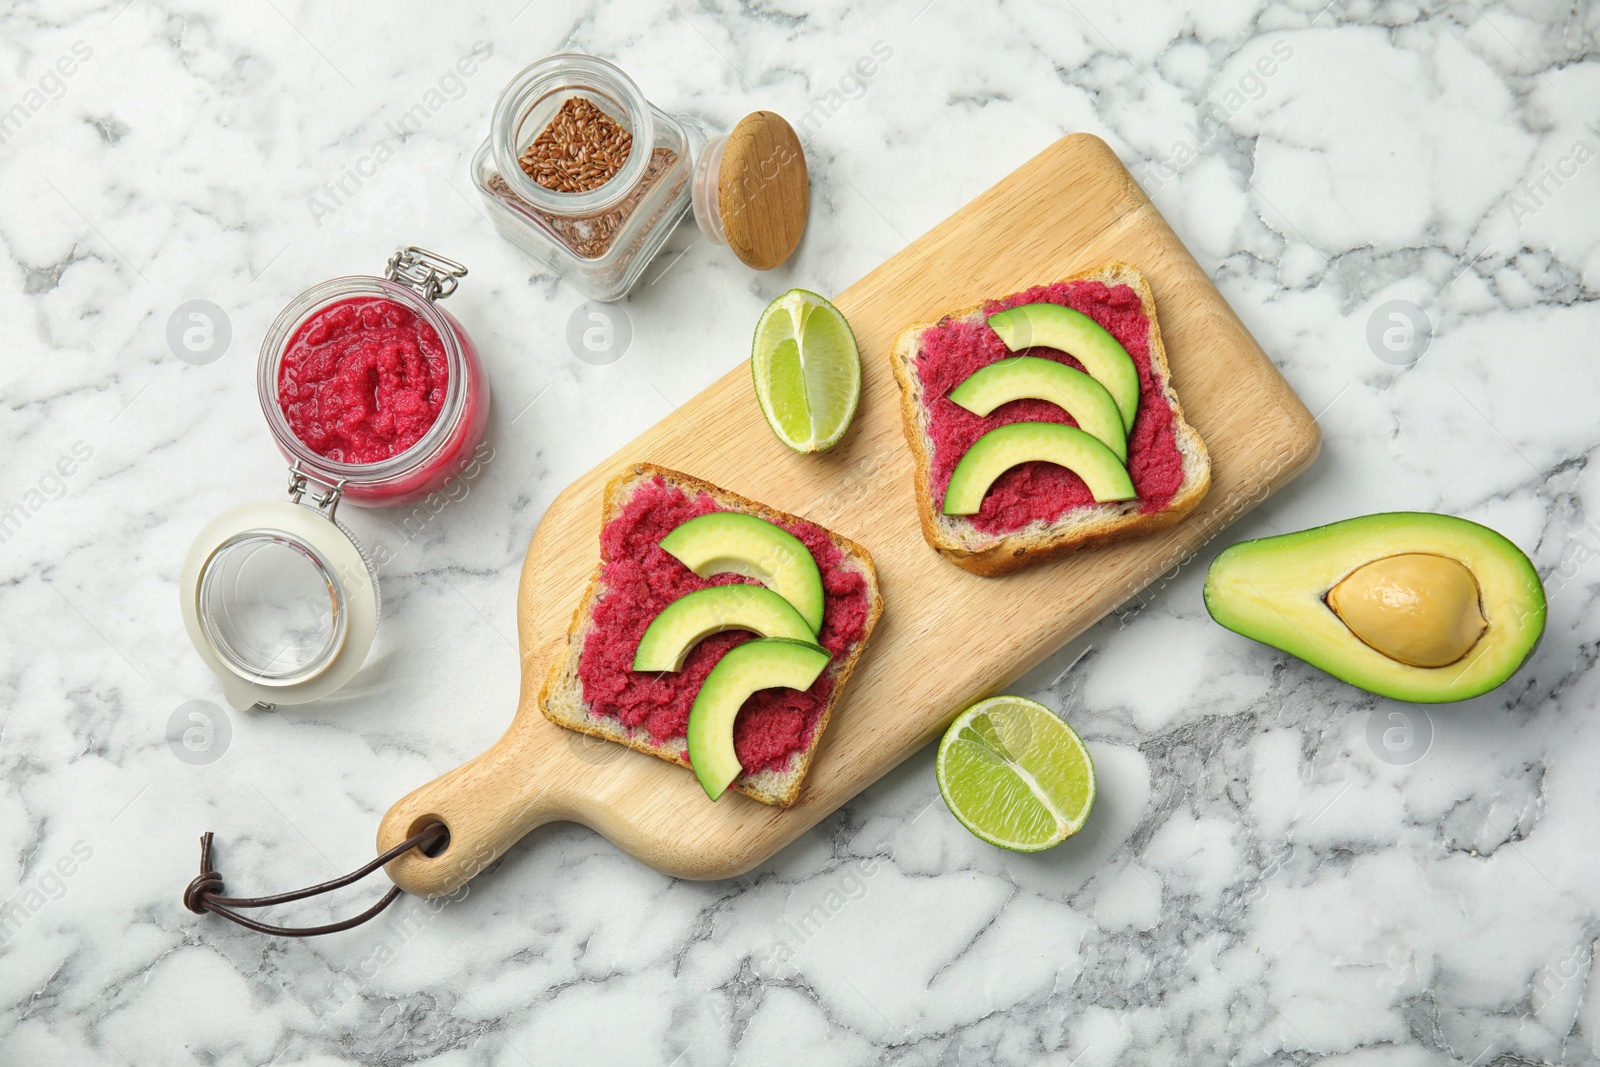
column 947, row 637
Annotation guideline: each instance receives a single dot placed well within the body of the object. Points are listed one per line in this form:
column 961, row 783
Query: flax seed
column 580, row 150
column 591, row 236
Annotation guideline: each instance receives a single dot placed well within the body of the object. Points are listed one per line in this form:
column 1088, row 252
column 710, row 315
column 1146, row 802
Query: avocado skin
column 1021, row 442
column 1079, row 336
column 1273, row 590
column 683, row 624
column 764, row 550
column 766, row 662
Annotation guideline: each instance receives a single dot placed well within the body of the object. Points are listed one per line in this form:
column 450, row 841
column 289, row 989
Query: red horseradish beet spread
column 640, row 580
column 951, row 351
column 362, row 379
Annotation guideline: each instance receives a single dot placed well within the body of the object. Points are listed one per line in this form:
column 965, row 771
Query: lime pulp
column 807, row 371
column 1017, row 776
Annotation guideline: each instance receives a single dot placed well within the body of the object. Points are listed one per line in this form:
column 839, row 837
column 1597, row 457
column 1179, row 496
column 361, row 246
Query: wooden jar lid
column 763, row 191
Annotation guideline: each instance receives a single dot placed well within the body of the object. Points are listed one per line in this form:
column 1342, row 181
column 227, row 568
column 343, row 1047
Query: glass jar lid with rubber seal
column 751, row 190
column 377, row 397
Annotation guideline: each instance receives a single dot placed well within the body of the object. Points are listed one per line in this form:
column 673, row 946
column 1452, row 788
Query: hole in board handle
column 435, row 848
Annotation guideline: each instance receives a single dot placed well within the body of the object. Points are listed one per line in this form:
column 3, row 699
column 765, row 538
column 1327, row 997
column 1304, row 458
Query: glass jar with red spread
column 376, row 396
column 369, row 384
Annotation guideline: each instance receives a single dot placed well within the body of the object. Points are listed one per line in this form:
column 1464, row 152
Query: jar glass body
column 445, row 448
column 599, row 240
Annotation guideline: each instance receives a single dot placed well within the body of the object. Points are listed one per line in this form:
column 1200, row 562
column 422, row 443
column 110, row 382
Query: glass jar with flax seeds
column 583, row 173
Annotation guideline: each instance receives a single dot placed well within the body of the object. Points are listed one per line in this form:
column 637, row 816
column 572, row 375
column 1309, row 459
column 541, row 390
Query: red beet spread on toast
column 952, row 350
column 640, row 580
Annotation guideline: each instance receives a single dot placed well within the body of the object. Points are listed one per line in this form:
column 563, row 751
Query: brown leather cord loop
column 205, row 892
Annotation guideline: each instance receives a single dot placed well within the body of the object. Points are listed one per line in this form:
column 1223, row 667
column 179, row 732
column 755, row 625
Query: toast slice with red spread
column 1038, row 511
column 593, row 689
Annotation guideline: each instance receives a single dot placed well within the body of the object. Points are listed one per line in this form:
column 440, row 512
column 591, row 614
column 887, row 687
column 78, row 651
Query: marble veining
column 1280, row 869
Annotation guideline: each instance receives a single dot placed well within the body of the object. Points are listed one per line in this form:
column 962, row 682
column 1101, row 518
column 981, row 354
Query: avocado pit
column 1415, row 607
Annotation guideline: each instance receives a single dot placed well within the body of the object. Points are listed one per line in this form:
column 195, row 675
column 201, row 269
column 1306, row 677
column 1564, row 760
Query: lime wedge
column 807, row 371
column 1015, row 774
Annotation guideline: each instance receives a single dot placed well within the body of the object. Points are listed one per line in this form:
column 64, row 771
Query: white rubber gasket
column 343, row 561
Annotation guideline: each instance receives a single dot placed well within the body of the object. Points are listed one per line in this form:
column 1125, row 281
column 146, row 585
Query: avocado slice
column 765, row 663
column 725, row 542
column 1073, row 391
column 1022, row 442
column 1409, row 605
column 1082, row 338
column 690, row 619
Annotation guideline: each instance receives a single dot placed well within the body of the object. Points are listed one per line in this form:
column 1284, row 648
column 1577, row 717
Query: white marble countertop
column 1268, row 881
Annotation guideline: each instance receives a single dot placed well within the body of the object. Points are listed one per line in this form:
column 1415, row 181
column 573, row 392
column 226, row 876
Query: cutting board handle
column 488, row 804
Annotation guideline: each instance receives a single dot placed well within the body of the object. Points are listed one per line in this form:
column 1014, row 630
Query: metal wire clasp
column 327, row 502
column 429, row 273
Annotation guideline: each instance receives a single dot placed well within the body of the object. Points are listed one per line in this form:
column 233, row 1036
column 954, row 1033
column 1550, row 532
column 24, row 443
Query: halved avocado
column 766, row 663
column 1073, row 391
column 1024, row 442
column 690, row 619
column 1082, row 338
column 1409, row 605
column 725, row 542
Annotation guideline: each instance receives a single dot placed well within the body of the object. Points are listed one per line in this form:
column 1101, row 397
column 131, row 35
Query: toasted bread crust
column 1099, row 524
column 561, row 698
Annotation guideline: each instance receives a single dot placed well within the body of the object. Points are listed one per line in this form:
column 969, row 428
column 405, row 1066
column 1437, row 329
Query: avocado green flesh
column 1082, row 338
column 731, row 542
column 1025, row 442
column 1032, row 377
column 1272, row 590
column 690, row 619
column 766, row 663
